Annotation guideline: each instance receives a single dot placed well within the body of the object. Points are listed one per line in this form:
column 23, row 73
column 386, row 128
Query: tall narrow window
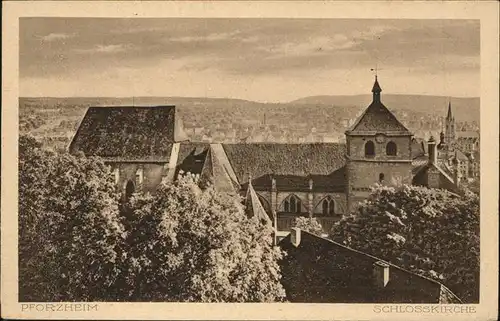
column 129, row 190
column 325, row 207
column 391, row 149
column 328, row 206
column 139, row 176
column 287, row 206
column 381, row 177
column 369, row 149
column 116, row 173
column 292, row 204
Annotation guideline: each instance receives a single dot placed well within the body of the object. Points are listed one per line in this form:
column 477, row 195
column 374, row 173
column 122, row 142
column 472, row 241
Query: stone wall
column 356, row 147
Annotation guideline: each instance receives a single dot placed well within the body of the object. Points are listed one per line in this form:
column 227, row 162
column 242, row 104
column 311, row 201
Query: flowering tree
column 309, row 224
column 193, row 244
column 428, row 231
column 70, row 233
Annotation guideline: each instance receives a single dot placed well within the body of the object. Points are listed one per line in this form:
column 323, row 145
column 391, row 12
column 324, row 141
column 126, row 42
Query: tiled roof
column 418, row 162
column 284, row 161
column 125, row 133
column 377, row 118
column 333, row 182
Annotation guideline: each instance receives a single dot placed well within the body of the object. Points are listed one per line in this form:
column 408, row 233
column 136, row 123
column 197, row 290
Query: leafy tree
column 70, row 234
column 193, row 244
column 309, row 224
column 428, row 231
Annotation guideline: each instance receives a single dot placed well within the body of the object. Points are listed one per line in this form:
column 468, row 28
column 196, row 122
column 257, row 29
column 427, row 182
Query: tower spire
column 376, row 90
column 450, row 114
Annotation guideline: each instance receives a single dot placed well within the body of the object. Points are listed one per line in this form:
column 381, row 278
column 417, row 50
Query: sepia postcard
column 250, row 160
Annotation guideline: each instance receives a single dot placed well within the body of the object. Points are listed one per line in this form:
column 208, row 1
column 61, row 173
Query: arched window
column 129, row 190
column 369, row 148
column 381, row 177
column 391, row 149
column 292, row 204
column 328, row 206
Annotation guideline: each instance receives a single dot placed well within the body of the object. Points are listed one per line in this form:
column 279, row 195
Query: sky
column 268, row 60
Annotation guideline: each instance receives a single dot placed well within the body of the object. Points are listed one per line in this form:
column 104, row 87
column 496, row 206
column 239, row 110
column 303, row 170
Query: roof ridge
column 379, row 259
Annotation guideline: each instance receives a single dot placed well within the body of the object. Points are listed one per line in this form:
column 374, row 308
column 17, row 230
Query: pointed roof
column 378, row 119
column 376, row 87
column 450, row 114
column 218, row 171
column 254, row 207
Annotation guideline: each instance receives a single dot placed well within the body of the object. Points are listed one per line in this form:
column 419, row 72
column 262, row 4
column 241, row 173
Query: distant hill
column 464, row 109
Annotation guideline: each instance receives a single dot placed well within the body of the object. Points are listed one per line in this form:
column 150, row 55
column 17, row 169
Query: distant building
column 324, row 180
column 459, row 149
column 318, row 270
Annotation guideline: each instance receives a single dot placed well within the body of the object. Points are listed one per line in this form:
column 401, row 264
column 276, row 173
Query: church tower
column 378, row 150
column 450, row 132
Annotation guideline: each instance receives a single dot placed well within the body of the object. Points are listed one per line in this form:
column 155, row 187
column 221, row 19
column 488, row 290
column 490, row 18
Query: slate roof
column 126, row 133
column 320, row 270
column 288, row 163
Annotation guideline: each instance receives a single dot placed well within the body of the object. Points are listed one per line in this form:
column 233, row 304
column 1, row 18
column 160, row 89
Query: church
column 146, row 146
column 460, row 149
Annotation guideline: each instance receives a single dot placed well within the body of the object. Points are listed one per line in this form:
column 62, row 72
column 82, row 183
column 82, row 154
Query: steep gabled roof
column 126, row 133
column 217, row 170
column 254, row 207
column 267, row 159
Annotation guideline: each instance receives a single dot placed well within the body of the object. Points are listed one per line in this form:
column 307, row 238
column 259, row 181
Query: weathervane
column 376, row 69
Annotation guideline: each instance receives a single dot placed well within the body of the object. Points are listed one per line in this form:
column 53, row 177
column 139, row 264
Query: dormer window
column 369, row 149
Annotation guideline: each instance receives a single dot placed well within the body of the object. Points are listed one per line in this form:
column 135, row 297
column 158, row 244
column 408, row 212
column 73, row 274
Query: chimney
column 295, row 236
column 431, row 146
column 380, row 274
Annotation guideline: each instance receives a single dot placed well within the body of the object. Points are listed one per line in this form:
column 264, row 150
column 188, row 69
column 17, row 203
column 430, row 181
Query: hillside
column 310, row 119
column 465, row 109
